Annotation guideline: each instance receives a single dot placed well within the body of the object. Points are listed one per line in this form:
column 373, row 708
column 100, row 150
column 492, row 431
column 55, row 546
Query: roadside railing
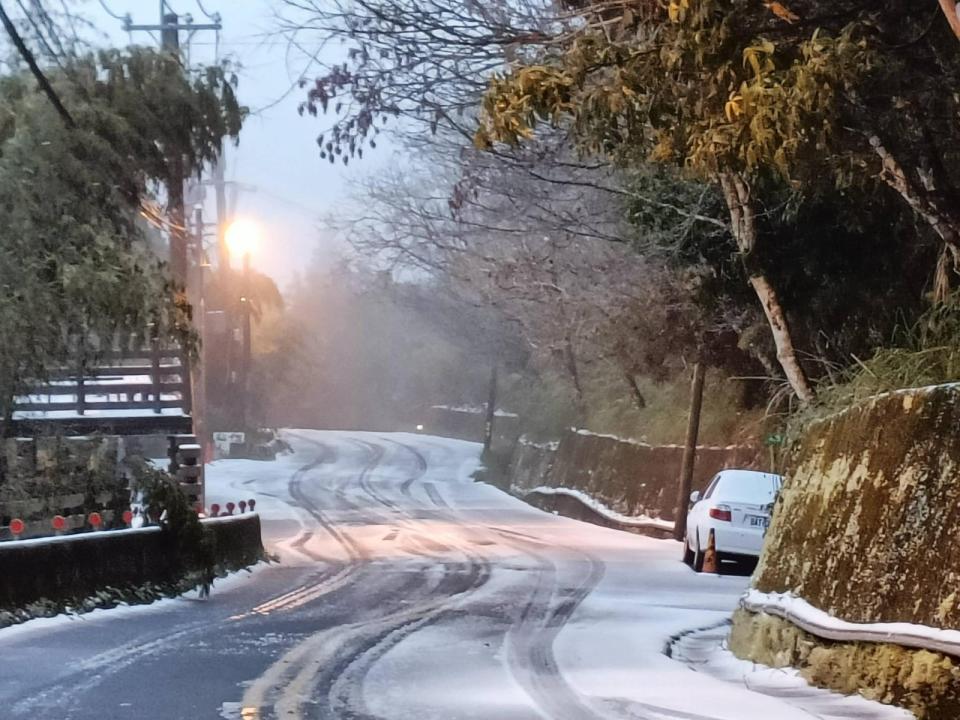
column 119, row 382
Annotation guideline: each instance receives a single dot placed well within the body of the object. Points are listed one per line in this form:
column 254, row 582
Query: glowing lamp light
column 243, row 237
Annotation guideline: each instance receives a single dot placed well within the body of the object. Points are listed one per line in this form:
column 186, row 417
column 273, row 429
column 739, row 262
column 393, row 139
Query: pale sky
column 285, row 186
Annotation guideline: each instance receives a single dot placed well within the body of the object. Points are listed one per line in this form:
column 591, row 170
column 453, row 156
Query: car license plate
column 759, row 521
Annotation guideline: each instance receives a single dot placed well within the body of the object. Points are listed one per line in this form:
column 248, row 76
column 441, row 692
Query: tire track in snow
column 70, row 689
column 328, row 669
column 530, row 641
column 422, row 465
column 345, row 692
column 99, row 668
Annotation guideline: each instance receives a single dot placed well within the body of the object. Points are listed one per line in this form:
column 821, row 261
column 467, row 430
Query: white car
column 736, row 508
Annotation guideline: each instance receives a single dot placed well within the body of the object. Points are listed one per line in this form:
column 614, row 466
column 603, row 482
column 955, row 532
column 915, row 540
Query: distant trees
column 354, row 350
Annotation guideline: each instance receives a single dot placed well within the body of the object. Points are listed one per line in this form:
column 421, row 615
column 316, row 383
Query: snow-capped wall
column 66, row 571
column 627, row 476
column 468, row 423
column 865, row 534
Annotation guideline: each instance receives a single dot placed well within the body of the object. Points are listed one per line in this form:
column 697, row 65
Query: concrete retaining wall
column 629, row 477
column 65, row 570
column 469, row 424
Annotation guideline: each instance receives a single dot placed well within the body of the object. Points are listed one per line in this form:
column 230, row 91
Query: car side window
column 712, row 486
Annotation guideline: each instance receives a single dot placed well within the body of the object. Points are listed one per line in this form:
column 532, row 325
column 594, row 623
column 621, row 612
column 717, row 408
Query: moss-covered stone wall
column 926, row 683
column 867, row 527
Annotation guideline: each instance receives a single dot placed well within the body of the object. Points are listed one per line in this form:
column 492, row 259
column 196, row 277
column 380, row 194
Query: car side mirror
column 695, row 497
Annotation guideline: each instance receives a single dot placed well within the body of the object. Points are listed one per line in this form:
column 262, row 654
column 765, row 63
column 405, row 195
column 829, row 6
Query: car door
column 696, row 513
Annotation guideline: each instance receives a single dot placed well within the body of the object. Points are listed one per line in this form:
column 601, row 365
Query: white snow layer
column 572, row 622
column 817, row 622
column 706, row 652
column 638, row 521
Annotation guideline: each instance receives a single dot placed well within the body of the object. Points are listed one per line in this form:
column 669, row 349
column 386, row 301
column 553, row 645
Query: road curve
column 404, row 590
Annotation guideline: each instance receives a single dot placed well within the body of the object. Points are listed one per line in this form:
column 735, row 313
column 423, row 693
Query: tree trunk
column 638, row 399
column 943, row 222
column 689, row 452
column 786, row 353
column 949, row 8
column 573, row 367
column 743, row 223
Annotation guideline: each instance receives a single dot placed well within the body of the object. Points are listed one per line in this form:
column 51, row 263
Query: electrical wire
column 111, row 13
column 214, row 16
column 31, row 61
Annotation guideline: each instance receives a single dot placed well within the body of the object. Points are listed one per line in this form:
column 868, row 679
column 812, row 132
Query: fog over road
column 405, row 590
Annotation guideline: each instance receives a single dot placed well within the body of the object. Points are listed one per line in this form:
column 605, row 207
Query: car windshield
column 752, row 487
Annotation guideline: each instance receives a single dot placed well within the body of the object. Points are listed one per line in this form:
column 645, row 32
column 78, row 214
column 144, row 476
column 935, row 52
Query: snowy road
column 405, row 591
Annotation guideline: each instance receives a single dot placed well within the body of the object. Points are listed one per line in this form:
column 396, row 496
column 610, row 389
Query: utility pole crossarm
column 173, row 26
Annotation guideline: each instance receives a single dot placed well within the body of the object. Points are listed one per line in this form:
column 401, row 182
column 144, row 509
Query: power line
column 35, row 69
column 111, row 13
column 214, row 16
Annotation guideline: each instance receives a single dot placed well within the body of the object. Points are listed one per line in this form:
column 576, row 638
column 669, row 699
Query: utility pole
column 689, row 451
column 170, row 43
column 491, row 410
column 200, row 368
column 179, row 234
column 245, row 361
column 169, row 28
column 223, row 219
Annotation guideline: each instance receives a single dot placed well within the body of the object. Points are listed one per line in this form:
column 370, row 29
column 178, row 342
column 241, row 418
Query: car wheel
column 698, row 557
column 687, row 553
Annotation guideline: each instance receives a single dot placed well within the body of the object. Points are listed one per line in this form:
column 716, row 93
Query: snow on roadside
column 817, row 622
column 638, row 521
column 612, row 650
column 705, row 651
column 640, row 443
column 231, row 582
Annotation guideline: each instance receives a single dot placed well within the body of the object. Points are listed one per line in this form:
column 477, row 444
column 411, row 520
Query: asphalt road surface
column 404, row 590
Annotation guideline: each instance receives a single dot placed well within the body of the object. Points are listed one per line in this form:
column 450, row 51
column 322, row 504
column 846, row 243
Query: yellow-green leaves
column 759, row 57
column 677, row 10
column 516, row 103
column 690, row 92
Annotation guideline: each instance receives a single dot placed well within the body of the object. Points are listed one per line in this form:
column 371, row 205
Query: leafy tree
column 74, row 257
column 817, row 97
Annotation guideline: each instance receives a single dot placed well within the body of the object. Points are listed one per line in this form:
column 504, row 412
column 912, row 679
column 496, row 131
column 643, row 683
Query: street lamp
column 243, row 237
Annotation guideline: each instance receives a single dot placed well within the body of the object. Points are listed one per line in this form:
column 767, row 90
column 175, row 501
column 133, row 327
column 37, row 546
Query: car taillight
column 721, row 512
